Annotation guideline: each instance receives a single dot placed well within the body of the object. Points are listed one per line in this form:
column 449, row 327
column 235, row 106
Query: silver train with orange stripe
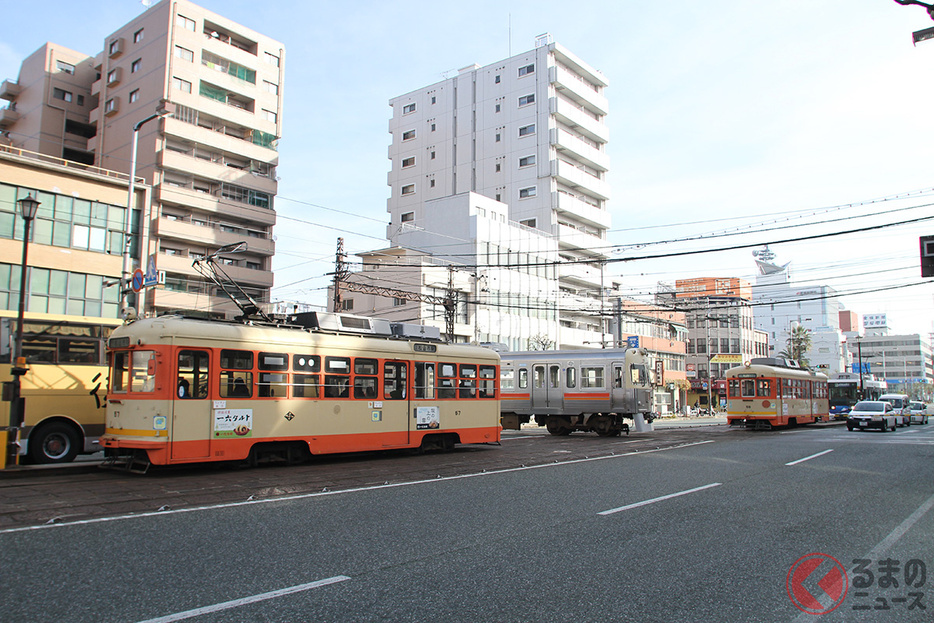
column 585, row 390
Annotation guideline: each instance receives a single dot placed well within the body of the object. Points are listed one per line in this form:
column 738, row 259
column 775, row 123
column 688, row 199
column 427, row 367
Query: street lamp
column 29, row 205
column 165, row 109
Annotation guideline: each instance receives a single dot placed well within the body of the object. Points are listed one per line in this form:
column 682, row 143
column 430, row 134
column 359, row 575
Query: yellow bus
column 64, row 389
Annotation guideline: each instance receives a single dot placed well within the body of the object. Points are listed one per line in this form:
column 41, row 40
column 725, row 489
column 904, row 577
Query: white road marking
column 304, row 496
column 236, row 603
column 659, row 499
column 808, row 458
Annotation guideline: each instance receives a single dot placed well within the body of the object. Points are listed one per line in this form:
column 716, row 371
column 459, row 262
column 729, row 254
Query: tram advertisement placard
column 230, row 423
column 427, row 417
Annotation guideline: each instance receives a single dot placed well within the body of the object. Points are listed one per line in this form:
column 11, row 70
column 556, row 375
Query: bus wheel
column 53, row 443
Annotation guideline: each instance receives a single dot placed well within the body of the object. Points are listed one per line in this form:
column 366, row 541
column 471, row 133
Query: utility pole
column 340, row 274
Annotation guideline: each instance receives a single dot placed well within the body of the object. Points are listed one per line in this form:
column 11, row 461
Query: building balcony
column 583, row 274
column 577, row 89
column 572, row 238
column 206, row 202
column 244, row 277
column 222, row 138
column 168, row 299
column 580, row 149
column 581, row 210
column 9, row 90
column 212, row 235
column 8, row 117
column 576, row 178
column 219, row 171
column 574, row 116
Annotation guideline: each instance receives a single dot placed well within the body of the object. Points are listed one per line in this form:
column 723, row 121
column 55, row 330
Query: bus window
column 487, row 382
column 192, row 374
column 337, row 384
column 142, row 372
column 394, row 381
column 424, row 380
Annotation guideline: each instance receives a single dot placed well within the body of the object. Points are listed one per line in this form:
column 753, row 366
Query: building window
column 134, row 95
column 433, row 127
column 529, row 222
column 408, row 162
column 499, row 137
column 525, row 100
column 434, row 100
column 432, row 155
column 498, row 108
column 347, row 305
column 136, row 65
column 138, row 36
column 110, row 105
column 527, row 192
column 408, row 135
column 183, row 22
column 271, row 87
column 527, row 161
column 431, row 183
column 268, row 115
column 61, row 94
column 408, row 217
column 184, row 53
column 525, row 71
column 408, row 108
column 114, row 47
column 68, row 68
column 408, row 189
column 527, row 130
column 181, row 85
column 272, row 59
column 496, row 79
column 80, row 100
column 498, row 168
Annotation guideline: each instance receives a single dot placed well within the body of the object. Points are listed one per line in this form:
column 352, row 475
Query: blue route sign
column 633, row 341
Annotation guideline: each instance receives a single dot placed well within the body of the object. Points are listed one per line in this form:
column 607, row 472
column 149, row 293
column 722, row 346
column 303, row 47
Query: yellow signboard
column 737, row 359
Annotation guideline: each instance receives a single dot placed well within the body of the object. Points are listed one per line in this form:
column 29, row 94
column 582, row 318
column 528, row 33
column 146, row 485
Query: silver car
column 919, row 412
column 871, row 414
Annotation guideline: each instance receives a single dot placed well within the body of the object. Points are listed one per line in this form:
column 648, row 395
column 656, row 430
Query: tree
column 540, row 342
column 797, row 346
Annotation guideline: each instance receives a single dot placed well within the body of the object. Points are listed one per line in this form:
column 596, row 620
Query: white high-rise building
column 529, row 132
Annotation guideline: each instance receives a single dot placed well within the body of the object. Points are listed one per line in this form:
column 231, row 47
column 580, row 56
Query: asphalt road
column 687, row 525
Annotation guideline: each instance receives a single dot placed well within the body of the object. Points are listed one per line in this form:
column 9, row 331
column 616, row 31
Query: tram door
column 191, row 427
column 396, row 400
column 546, row 387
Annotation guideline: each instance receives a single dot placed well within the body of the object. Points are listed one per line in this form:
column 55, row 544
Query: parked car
column 919, row 412
column 900, row 405
column 871, row 414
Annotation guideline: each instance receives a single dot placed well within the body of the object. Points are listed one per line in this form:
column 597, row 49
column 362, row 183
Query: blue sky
column 724, row 114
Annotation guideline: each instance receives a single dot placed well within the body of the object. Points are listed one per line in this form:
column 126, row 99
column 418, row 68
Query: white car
column 871, row 414
column 919, row 412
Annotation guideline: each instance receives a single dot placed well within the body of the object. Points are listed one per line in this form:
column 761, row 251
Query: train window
column 272, row 385
column 748, row 388
column 570, row 377
column 305, row 385
column 591, row 377
column 142, row 373
column 538, row 377
column 365, row 366
column 638, row 375
column 306, row 363
column 192, row 374
column 554, row 376
column 394, row 380
column 617, row 377
column 764, row 388
column 507, row 378
column 236, row 359
column 236, row 384
column 487, row 382
column 273, row 361
column 118, row 374
column 424, row 380
column 523, row 378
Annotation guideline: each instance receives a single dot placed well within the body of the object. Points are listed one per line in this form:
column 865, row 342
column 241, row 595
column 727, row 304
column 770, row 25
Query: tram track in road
column 67, row 497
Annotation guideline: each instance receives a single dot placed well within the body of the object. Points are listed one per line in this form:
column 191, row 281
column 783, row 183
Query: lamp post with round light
column 29, row 205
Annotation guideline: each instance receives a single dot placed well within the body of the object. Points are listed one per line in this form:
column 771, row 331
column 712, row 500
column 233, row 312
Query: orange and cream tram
column 772, row 391
column 564, row 391
column 186, row 390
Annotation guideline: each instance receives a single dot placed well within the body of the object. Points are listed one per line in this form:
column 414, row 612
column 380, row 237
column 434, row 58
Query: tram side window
column 236, row 374
column 192, row 374
column 523, row 378
column 764, row 388
column 337, row 377
column 748, row 388
column 394, row 381
column 468, row 382
column 364, row 380
column 570, row 377
column 305, row 385
column 591, row 377
column 507, row 378
column 733, row 388
column 447, row 375
column 424, row 380
column 273, row 384
column 487, row 382
column 143, row 371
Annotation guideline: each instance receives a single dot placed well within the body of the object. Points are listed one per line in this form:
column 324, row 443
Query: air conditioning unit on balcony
column 114, row 76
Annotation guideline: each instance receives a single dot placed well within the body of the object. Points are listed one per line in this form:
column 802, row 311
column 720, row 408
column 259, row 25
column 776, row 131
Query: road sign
column 138, row 280
column 152, row 275
column 633, row 341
